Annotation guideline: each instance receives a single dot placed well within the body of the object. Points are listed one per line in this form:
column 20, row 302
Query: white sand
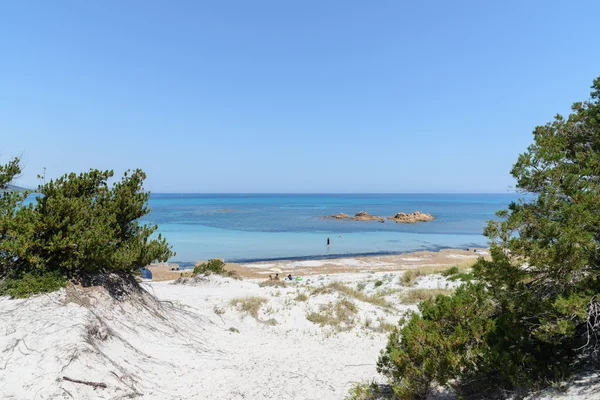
column 179, row 348
column 345, row 262
column 177, row 345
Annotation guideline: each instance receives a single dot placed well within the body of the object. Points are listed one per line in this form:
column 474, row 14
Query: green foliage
column 417, row 295
column 9, row 200
column 463, row 276
column 450, row 271
column 532, row 316
column 77, row 225
column 213, row 266
column 364, row 391
column 446, row 339
column 378, row 283
column 29, row 284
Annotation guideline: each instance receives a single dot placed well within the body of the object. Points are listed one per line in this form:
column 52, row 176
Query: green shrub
column 378, row 283
column 213, row 266
column 463, row 277
column 364, row 391
column 417, row 295
column 30, row 284
column 531, row 317
column 445, row 340
column 77, row 225
column 450, row 271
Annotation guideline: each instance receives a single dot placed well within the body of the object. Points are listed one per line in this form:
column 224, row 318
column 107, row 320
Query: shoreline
column 433, row 249
column 343, row 264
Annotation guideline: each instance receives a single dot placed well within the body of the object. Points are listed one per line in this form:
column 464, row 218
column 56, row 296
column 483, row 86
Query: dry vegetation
column 302, row 297
column 339, row 315
column 417, row 295
column 348, row 291
column 280, row 284
column 409, row 277
column 251, row 305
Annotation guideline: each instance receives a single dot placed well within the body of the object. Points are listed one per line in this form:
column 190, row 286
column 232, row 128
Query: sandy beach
column 214, row 337
column 397, row 262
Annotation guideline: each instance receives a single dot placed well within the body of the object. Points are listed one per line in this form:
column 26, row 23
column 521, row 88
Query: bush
column 378, row 283
column 29, row 284
column 463, row 277
column 365, row 391
column 408, row 277
column 213, row 266
column 417, row 295
column 445, row 340
column 77, row 225
column 450, row 271
column 532, row 317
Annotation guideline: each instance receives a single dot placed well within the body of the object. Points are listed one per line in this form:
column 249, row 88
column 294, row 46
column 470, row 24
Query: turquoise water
column 275, row 226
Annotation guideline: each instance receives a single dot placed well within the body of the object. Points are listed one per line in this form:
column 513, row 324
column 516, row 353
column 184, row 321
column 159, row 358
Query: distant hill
column 13, row 188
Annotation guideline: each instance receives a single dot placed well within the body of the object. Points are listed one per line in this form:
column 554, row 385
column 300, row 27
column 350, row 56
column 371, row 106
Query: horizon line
column 331, row 193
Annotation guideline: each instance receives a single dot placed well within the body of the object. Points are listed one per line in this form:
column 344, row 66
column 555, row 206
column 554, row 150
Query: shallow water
column 275, row 226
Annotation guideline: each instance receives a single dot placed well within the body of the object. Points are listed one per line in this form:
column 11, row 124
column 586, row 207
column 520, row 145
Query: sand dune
column 204, row 339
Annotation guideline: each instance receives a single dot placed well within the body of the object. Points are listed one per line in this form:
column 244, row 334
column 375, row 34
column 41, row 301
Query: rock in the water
column 359, row 216
column 365, row 216
column 337, row 216
column 406, row 218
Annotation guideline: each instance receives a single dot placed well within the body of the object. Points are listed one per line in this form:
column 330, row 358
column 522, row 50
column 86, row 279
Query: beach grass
column 339, row 315
column 415, row 296
column 251, row 305
column 302, row 297
column 280, row 284
column 348, row 291
column 388, row 291
column 408, row 278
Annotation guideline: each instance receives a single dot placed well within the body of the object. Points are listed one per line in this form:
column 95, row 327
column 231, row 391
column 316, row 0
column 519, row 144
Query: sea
column 260, row 227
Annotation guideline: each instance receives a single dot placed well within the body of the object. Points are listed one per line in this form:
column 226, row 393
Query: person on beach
column 289, row 277
column 276, row 277
column 327, row 241
column 270, row 277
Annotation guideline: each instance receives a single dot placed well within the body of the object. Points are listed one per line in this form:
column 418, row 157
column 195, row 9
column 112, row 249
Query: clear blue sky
column 290, row 96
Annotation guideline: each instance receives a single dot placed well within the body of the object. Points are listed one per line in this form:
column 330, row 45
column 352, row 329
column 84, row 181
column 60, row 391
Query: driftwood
column 95, row 385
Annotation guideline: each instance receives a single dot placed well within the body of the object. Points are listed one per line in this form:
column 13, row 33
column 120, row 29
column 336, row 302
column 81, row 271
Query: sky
column 289, row 96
